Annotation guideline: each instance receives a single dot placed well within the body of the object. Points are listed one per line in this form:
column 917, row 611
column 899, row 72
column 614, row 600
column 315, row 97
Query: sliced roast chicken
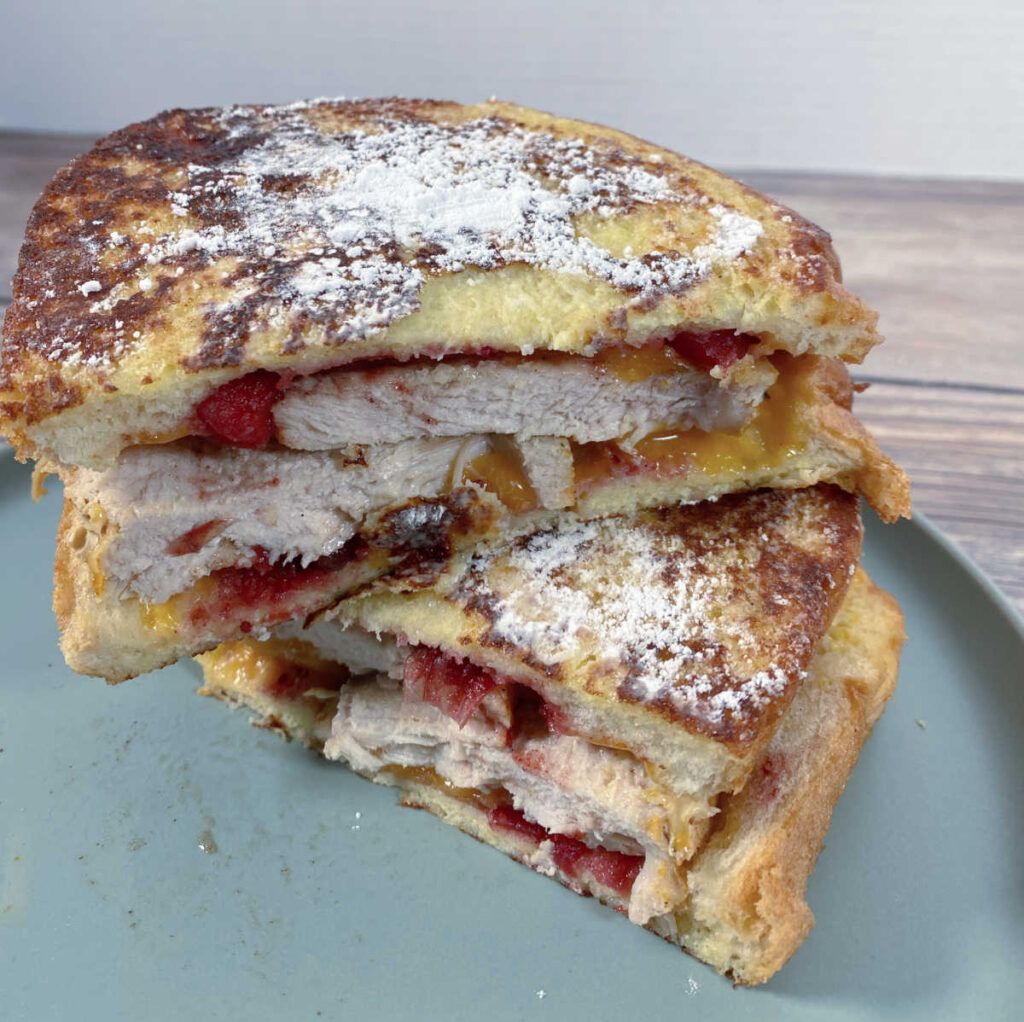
column 350, row 445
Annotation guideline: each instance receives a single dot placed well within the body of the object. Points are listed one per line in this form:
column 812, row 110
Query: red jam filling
column 241, row 411
column 267, row 591
column 718, row 349
column 504, row 817
column 615, row 870
column 555, row 717
column 455, row 687
column 568, row 853
column 265, row 583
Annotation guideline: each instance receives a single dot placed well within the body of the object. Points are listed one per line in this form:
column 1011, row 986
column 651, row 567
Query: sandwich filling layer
column 601, row 798
column 166, row 516
column 621, row 392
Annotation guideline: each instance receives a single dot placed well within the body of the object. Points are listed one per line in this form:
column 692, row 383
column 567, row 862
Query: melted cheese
column 430, row 778
column 504, row 476
column 167, row 436
column 96, row 527
column 161, row 618
column 635, row 364
column 169, row 617
column 260, row 665
column 777, row 429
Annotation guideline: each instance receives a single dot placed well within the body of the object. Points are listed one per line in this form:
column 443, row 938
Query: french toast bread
column 740, row 896
column 201, row 246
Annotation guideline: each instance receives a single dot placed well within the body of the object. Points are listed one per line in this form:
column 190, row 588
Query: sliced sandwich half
column 251, row 339
column 562, row 699
column 608, row 678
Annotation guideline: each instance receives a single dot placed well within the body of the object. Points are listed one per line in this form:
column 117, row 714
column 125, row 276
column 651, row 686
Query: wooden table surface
column 943, row 262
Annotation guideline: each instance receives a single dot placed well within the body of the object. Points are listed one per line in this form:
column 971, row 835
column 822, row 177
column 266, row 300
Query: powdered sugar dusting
column 335, row 215
column 624, row 593
column 444, row 197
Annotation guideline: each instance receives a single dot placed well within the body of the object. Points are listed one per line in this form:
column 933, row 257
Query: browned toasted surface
column 704, row 615
column 746, row 913
column 204, row 243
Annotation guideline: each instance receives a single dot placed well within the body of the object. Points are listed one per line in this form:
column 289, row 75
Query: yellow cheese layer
column 776, row 430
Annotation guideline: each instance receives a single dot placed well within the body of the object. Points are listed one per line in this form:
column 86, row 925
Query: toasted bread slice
column 679, row 634
column 190, row 250
column 738, row 902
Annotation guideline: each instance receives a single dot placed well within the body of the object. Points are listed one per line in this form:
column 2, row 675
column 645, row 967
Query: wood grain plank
column 941, row 261
column 964, row 452
column 27, row 162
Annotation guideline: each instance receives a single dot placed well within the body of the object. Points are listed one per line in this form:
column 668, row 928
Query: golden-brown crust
column 753, row 581
column 871, row 472
column 752, row 875
column 747, row 912
column 143, row 276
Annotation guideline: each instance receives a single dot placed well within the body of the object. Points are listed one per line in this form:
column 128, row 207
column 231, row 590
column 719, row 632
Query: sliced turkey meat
column 170, row 514
column 580, row 399
column 562, row 783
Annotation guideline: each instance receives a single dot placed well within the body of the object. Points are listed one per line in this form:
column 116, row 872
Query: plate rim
column 1013, row 616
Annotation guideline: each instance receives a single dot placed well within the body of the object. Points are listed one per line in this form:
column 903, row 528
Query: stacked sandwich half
column 507, row 459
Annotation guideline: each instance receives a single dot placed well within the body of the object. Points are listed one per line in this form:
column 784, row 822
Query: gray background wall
column 926, row 87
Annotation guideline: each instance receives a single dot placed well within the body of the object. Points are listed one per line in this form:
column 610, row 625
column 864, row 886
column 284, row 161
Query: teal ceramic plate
column 324, row 899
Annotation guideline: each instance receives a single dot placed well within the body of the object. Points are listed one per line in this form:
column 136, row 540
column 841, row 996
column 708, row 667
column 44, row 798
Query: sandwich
column 659, row 710
column 278, row 353
column 506, row 458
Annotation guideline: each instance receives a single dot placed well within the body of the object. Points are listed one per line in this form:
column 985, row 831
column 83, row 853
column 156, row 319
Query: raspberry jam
column 267, row 592
column 615, row 870
column 241, row 412
column 718, row 349
column 507, row 818
column 455, row 687
column 265, row 584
